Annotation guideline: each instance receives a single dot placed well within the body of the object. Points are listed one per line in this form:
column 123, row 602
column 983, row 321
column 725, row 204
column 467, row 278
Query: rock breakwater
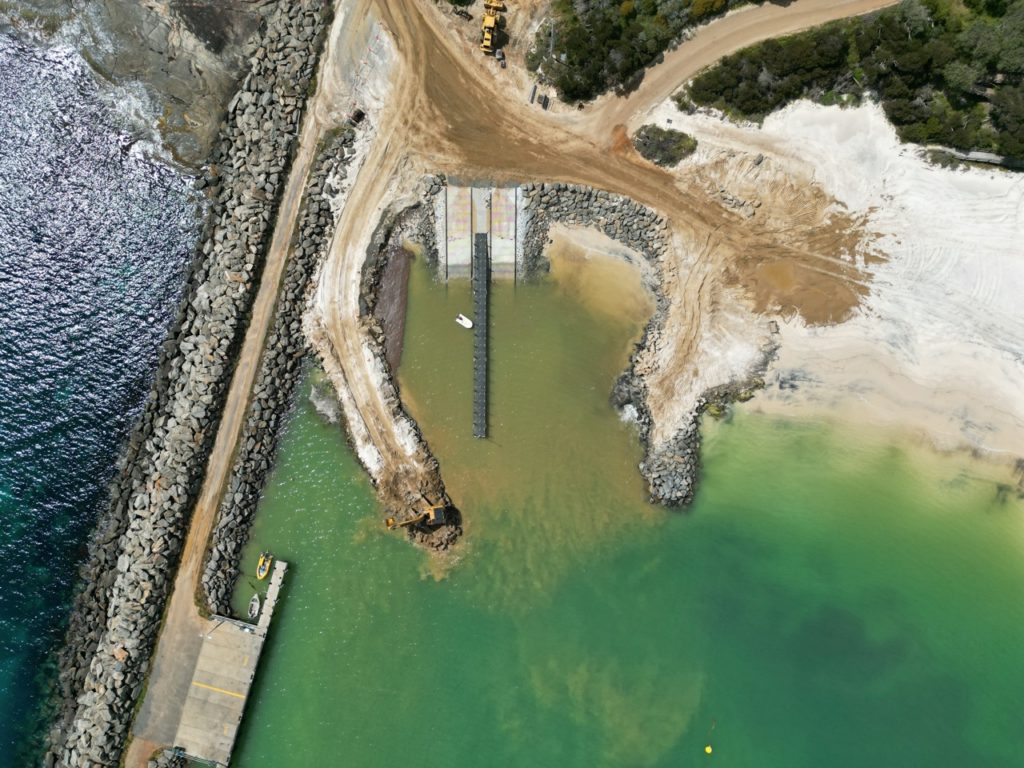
column 406, row 490
column 280, row 372
column 167, row 759
column 624, row 220
column 671, row 468
column 128, row 571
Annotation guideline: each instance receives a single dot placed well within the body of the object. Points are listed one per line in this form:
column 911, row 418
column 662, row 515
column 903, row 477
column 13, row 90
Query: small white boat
column 254, row 606
column 464, row 321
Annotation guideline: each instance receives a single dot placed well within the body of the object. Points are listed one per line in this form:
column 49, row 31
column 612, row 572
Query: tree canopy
column 591, row 46
column 945, row 72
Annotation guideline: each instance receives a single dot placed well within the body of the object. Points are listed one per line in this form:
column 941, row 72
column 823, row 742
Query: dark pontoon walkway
column 481, row 286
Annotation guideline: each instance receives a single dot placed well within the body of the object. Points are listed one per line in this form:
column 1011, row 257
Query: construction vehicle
column 432, row 517
column 489, row 27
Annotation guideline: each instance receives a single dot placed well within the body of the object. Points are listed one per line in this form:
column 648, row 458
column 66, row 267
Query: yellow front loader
column 489, row 27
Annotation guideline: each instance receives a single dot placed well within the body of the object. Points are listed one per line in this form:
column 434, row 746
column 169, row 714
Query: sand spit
column 405, row 474
column 340, row 325
column 937, row 345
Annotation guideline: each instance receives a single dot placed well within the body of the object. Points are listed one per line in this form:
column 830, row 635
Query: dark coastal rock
column 672, row 469
column 167, row 759
column 188, row 54
column 183, row 58
column 126, row 576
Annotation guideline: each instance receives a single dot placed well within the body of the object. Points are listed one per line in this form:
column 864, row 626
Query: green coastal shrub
column 945, row 72
column 662, row 145
column 588, row 47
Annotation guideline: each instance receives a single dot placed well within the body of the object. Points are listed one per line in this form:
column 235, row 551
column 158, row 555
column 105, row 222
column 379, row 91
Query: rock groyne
column 167, row 759
column 672, row 467
column 280, row 372
column 128, row 571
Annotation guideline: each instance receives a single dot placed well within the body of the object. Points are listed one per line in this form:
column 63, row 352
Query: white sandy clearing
column 938, row 345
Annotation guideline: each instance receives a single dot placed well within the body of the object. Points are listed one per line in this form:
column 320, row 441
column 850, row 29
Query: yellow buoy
column 707, row 749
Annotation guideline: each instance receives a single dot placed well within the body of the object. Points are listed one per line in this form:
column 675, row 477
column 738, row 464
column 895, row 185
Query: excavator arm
column 434, row 515
column 391, row 523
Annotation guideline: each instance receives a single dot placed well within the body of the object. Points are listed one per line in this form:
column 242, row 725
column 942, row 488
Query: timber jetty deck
column 222, row 680
column 481, row 286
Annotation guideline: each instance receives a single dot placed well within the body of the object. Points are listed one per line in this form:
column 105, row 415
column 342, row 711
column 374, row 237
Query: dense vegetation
column 663, row 146
column 590, row 46
column 946, row 72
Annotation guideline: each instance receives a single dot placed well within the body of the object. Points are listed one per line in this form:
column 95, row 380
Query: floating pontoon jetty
column 481, row 286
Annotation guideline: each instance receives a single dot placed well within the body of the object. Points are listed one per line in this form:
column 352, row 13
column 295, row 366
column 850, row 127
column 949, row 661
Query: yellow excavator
column 432, row 516
column 489, row 27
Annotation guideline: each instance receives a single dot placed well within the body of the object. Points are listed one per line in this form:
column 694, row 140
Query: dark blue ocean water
column 95, row 240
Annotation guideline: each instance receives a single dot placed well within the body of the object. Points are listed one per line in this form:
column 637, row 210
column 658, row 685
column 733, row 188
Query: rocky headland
column 179, row 59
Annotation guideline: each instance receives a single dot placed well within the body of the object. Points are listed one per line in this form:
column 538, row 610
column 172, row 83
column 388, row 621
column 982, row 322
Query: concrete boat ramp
column 467, row 211
column 479, row 231
column 222, row 679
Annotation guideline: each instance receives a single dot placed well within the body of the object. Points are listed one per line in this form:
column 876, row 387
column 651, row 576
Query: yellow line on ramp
column 218, row 690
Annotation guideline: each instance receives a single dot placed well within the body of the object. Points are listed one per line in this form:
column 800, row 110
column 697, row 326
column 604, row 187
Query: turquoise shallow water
column 846, row 606
column 832, row 599
column 94, row 246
